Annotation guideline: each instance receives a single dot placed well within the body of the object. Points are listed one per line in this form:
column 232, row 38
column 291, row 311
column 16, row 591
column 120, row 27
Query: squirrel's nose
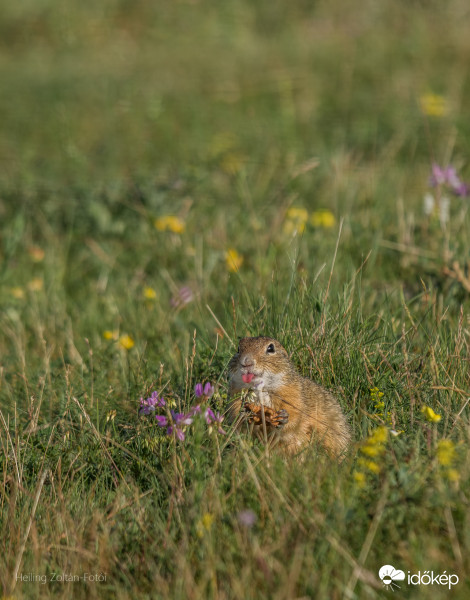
column 247, row 361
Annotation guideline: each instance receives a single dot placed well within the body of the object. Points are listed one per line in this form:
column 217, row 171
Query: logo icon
column 389, row 575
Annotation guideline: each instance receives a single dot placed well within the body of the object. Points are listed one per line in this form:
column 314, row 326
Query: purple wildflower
column 178, row 422
column 177, row 431
column 462, row 190
column 147, row 406
column 179, row 434
column 438, row 176
column 205, row 391
column 452, row 178
column 184, row 296
column 247, row 518
column 218, row 419
column 209, row 415
column 180, row 419
column 212, row 418
column 144, row 408
column 448, row 176
column 208, row 389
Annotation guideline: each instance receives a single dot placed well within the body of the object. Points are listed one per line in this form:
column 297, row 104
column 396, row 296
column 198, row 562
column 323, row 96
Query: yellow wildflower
column 446, row 453
column 232, row 163
column 110, row 335
column 170, row 223
column 375, row 393
column 149, row 293
column 233, row 260
column 126, row 342
column 370, row 465
column 359, row 478
column 204, row 524
column 379, row 436
column 430, row 415
column 433, row 105
column 291, row 227
column 36, row 284
column 207, row 520
column 372, row 450
column 452, row 474
column 17, row 293
column 297, row 214
column 296, row 219
column 323, row 218
column 446, row 457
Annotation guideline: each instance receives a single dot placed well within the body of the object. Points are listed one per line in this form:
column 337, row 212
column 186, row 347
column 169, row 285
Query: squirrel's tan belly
column 264, row 398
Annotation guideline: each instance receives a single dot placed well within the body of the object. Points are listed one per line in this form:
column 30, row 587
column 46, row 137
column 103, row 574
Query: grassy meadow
column 174, row 176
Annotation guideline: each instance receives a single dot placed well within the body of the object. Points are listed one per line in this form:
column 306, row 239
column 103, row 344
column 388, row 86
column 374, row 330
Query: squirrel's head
column 260, row 362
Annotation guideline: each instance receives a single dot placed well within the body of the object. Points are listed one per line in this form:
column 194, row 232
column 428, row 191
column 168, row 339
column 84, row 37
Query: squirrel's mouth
column 251, row 378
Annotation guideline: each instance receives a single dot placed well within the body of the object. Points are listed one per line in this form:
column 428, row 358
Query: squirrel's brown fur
column 313, row 413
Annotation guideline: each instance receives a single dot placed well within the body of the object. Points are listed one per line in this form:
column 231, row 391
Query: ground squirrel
column 289, row 409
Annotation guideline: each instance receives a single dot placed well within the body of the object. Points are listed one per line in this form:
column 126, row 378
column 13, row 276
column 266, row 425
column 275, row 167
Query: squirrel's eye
column 270, row 349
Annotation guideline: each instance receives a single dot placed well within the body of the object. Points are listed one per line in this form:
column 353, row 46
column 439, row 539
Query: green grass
column 227, row 115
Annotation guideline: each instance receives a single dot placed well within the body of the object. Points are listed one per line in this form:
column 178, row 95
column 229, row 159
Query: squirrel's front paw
column 282, row 417
column 272, row 418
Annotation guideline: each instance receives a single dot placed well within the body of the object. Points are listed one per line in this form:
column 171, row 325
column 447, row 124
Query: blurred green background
column 116, row 90
column 226, row 115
